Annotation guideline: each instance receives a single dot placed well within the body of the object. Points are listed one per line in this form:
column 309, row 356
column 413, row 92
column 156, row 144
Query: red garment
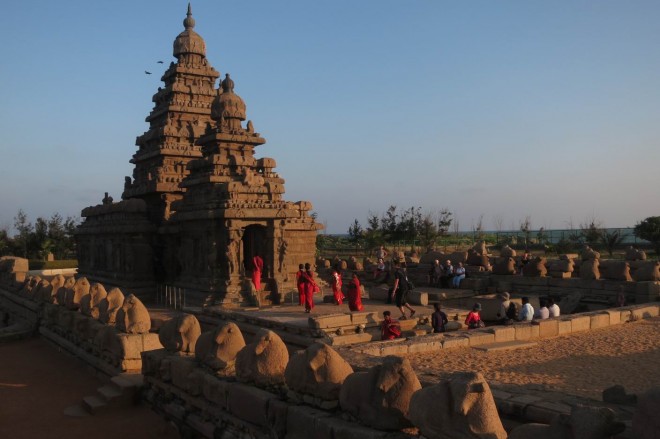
column 300, row 283
column 257, row 266
column 354, row 299
column 336, row 288
column 472, row 320
column 390, row 330
column 310, row 287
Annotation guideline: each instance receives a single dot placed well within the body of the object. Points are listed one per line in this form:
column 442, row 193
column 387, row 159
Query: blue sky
column 494, row 108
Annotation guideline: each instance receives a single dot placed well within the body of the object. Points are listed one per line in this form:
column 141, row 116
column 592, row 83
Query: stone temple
column 200, row 205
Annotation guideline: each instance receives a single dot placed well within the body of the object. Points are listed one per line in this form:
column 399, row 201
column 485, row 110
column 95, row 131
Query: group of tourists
column 307, row 287
column 509, row 312
column 446, row 275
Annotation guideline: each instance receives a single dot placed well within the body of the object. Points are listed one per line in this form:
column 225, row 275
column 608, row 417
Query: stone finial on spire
column 227, row 84
column 189, row 21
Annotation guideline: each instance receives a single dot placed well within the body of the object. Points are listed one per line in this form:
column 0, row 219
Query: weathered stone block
column 337, row 428
column 151, row 362
column 418, row 298
column 455, row 341
column 302, row 422
column 564, row 327
column 526, row 331
column 216, row 391
column 479, row 337
column 378, row 293
column 615, row 316
column 580, row 323
column 180, row 368
column 249, row 403
column 425, row 343
column 644, row 312
column 647, row 291
column 330, row 321
column 548, row 328
column 599, row 320
column 503, row 333
column 365, row 318
column 277, row 416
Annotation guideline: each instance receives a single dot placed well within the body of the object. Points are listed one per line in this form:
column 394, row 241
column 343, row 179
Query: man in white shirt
column 553, row 308
column 542, row 313
column 527, row 311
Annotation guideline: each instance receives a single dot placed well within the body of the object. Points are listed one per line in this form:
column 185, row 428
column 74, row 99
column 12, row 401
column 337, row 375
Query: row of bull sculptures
column 388, row 396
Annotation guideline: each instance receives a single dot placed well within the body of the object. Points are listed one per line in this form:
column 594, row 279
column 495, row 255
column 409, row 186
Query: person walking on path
column 300, row 283
column 310, row 288
column 354, row 294
column 336, row 287
column 400, row 290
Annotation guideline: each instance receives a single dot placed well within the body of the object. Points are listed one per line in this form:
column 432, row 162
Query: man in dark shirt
column 401, row 290
column 438, row 319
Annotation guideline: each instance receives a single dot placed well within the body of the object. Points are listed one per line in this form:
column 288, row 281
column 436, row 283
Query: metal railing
column 171, row 296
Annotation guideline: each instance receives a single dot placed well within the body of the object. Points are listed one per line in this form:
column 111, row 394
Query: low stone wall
column 101, row 346
column 523, row 331
column 19, row 317
column 196, row 399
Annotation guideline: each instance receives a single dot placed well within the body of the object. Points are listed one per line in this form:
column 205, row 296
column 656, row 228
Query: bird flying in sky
column 148, row 73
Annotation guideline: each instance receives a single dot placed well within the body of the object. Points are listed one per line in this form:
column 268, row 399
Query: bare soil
column 38, row 382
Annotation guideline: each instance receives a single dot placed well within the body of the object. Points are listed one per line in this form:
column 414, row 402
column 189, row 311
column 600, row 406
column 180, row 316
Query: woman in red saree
column 257, row 266
column 300, row 283
column 354, row 290
column 336, row 287
column 310, row 287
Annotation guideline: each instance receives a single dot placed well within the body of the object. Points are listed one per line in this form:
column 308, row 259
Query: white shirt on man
column 542, row 313
column 526, row 313
column 554, row 310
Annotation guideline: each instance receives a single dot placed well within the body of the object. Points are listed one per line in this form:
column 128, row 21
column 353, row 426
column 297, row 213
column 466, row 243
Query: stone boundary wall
column 21, row 315
column 563, row 325
column 215, row 407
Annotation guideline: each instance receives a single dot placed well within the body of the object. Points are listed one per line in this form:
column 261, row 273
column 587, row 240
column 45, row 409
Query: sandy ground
column 37, row 382
column 581, row 364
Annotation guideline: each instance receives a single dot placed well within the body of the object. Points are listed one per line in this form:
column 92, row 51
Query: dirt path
column 37, row 383
column 581, row 364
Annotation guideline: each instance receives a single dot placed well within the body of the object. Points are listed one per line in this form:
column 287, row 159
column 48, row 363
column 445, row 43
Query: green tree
column 611, row 240
column 649, row 229
column 526, row 229
column 428, row 232
column 24, row 228
column 373, row 236
column 355, row 233
column 591, row 232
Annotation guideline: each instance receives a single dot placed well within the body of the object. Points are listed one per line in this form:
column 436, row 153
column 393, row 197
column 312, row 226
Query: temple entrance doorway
column 254, row 243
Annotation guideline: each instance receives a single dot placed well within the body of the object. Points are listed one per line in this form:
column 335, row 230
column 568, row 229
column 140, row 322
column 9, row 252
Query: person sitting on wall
column 553, row 308
column 447, row 274
column 504, row 308
column 527, row 311
column 389, row 328
column 459, row 275
column 543, row 312
column 438, row 319
column 473, row 319
column 435, row 273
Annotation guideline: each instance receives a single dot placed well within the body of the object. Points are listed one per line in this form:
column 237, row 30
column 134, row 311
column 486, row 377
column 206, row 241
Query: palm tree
column 611, row 240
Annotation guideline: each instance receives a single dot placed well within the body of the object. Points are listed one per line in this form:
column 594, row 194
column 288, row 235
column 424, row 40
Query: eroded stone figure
column 75, row 294
column 318, row 370
column 264, row 360
column 110, row 306
column 380, row 397
column 460, row 407
column 584, row 422
column 89, row 305
column 217, row 349
column 133, row 318
column 180, row 333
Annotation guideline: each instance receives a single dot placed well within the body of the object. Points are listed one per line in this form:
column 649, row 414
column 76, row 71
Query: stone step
column 127, row 384
column 109, row 393
column 93, row 404
column 505, row 346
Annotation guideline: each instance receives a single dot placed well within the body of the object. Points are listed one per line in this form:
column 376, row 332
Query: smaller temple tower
column 233, row 210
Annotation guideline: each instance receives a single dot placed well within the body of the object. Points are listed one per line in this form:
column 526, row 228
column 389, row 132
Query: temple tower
column 200, row 206
column 180, row 116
